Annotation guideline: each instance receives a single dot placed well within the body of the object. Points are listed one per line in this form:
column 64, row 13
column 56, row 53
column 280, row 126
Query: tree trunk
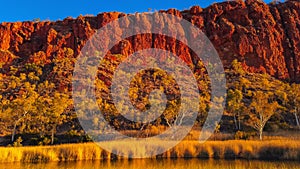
column 239, row 121
column 235, row 122
column 261, row 133
column 297, row 120
column 167, row 121
column 142, row 126
column 52, row 136
column 181, row 119
column 15, row 126
column 14, row 132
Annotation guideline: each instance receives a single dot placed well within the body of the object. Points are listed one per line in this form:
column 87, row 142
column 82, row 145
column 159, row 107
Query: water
column 158, row 164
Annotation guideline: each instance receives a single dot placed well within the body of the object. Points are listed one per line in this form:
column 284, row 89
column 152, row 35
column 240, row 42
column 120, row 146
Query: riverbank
column 232, row 149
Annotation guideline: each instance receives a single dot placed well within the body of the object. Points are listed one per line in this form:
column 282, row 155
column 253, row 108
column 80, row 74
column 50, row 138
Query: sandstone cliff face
column 265, row 38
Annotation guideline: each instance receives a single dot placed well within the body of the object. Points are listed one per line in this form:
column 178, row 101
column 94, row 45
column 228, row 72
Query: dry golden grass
column 266, row 150
column 232, row 149
column 67, row 152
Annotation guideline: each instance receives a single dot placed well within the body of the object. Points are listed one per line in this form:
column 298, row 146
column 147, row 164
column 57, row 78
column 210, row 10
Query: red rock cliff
column 266, row 38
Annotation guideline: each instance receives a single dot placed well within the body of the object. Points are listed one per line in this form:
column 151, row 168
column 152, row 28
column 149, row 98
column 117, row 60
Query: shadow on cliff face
column 265, row 38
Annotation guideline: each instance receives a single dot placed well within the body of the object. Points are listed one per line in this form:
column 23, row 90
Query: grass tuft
column 232, row 149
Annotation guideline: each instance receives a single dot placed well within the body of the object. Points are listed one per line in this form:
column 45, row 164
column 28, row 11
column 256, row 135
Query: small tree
column 294, row 102
column 53, row 105
column 235, row 106
column 261, row 111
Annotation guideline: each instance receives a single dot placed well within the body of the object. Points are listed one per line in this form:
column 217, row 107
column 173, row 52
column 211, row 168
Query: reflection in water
column 157, row 164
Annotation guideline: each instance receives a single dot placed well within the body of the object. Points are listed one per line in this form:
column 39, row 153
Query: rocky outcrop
column 265, row 38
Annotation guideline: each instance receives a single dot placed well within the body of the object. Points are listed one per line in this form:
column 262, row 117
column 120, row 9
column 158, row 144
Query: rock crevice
column 265, row 38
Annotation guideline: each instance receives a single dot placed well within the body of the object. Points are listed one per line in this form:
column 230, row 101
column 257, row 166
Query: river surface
column 157, row 164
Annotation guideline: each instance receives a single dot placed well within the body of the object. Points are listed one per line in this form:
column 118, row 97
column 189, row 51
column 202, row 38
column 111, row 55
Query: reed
column 231, row 149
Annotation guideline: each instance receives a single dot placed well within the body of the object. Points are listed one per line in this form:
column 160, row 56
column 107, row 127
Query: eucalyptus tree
column 294, row 102
column 261, row 111
column 18, row 98
column 235, row 106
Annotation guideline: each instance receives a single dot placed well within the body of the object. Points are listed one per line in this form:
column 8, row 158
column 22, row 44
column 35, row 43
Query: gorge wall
column 264, row 37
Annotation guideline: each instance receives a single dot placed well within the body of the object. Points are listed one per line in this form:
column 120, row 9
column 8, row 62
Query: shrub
column 241, row 135
column 18, row 142
column 45, row 141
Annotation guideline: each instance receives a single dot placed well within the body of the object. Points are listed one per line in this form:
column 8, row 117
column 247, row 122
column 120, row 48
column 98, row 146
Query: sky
column 28, row 10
